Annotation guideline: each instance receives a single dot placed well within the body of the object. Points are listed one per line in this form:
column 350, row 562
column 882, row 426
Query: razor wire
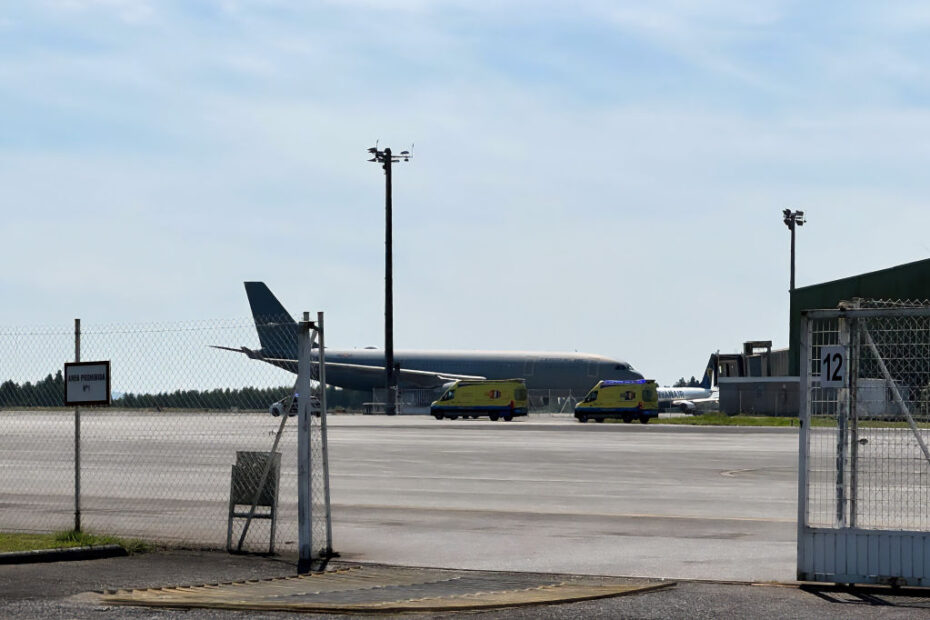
column 156, row 464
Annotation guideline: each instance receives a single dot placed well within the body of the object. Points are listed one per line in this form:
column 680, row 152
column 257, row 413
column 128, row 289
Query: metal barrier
column 254, row 483
column 864, row 465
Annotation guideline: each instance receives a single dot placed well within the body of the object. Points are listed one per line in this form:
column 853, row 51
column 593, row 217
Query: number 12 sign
column 833, row 366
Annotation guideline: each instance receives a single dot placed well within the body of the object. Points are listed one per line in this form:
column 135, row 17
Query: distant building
column 757, row 360
column 755, row 381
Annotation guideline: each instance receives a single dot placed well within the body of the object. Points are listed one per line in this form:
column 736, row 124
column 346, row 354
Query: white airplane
column 688, row 399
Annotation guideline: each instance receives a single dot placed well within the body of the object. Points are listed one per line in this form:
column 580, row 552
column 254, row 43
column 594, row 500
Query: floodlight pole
column 386, row 159
column 391, row 378
column 793, row 219
column 792, row 257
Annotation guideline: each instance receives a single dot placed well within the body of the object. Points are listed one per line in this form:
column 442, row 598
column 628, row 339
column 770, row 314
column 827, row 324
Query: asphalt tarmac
column 558, row 496
column 71, row 590
column 545, row 494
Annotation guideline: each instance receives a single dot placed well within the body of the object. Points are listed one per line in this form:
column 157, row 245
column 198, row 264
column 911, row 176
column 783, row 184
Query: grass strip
column 715, row 418
column 17, row 541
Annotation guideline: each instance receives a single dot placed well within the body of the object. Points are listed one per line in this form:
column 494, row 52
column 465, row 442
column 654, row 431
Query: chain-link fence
column 865, row 466
column 157, row 463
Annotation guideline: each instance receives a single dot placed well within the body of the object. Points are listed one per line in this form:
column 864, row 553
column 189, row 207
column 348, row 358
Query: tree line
column 50, row 392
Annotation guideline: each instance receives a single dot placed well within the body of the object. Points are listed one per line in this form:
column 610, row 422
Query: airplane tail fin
column 277, row 330
column 709, row 379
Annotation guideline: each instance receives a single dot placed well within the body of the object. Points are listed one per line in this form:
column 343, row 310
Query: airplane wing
column 412, row 378
column 245, row 350
column 286, row 364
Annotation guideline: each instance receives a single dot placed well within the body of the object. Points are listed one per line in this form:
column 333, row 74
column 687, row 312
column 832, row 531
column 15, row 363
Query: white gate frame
column 847, row 553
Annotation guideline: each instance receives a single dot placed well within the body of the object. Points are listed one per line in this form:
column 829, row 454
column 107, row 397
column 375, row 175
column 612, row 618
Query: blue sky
column 606, row 177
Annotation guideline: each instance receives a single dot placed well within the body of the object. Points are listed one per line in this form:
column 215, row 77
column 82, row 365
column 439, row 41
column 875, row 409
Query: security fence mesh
column 867, row 463
column 157, row 464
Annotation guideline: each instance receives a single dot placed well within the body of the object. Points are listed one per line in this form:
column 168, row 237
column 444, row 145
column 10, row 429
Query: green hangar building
column 766, row 382
column 910, row 281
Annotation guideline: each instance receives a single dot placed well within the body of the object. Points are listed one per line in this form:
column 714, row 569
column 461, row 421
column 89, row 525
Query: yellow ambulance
column 636, row 399
column 502, row 399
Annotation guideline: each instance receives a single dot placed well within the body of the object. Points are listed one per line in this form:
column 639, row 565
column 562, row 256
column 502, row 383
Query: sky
column 598, row 176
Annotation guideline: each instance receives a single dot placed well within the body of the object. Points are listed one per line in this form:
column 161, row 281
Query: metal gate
column 864, row 464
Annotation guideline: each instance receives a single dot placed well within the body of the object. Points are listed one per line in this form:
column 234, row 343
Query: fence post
column 77, row 436
column 304, row 505
column 842, row 436
column 852, row 367
column 322, row 376
column 804, row 419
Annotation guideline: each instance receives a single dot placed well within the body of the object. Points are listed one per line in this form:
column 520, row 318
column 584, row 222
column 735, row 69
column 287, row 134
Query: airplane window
column 620, row 367
column 591, row 397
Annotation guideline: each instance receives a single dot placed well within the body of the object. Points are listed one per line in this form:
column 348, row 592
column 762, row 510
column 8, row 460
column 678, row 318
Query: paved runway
column 544, row 494
column 559, row 496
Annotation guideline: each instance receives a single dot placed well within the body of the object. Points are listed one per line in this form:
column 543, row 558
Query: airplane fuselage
column 541, row 370
column 683, row 393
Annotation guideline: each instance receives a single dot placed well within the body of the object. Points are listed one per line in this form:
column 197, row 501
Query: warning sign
column 87, row 383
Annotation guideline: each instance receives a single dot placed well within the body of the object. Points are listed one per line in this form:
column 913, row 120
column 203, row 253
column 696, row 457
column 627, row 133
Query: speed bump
column 384, row 589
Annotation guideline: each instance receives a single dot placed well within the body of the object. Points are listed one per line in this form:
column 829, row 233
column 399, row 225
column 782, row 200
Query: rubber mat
column 387, row 589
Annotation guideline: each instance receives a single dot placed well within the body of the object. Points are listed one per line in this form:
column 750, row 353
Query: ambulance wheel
column 508, row 417
column 598, row 419
column 582, row 418
column 493, row 417
column 438, row 416
column 453, row 417
column 644, row 419
column 627, row 418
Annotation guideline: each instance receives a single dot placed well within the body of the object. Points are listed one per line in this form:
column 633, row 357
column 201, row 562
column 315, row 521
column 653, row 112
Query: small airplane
column 363, row 369
column 689, row 399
